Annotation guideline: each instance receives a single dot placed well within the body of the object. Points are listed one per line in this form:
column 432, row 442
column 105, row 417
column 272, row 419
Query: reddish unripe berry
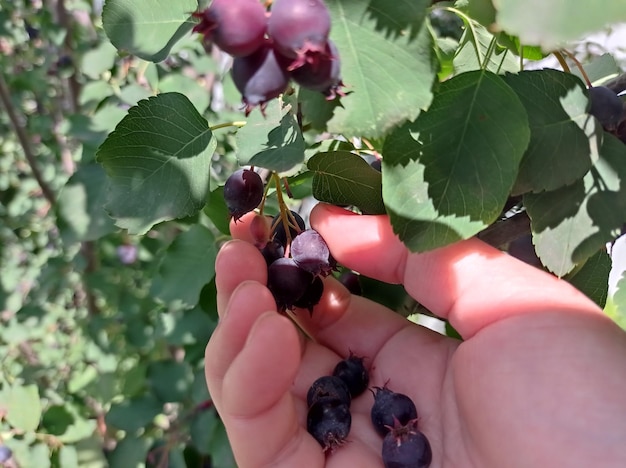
column 322, row 75
column 259, row 77
column 260, row 230
column 299, row 29
column 235, row 26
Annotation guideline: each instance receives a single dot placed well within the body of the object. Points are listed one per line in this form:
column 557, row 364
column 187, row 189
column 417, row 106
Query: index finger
column 469, row 283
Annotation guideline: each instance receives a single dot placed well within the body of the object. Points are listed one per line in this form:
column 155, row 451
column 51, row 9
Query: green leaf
column 79, row 208
column 468, row 58
column 98, row 60
column 147, row 28
column 387, row 65
column 217, row 211
column 68, row 457
column 187, row 266
column 170, row 381
column 272, row 141
column 197, row 94
column 447, row 175
column 134, row 414
column 23, row 407
column 572, row 223
column 56, row 420
column 343, row 178
column 599, row 69
column 130, row 452
column 550, row 24
column 158, row 162
column 558, row 153
column 593, row 277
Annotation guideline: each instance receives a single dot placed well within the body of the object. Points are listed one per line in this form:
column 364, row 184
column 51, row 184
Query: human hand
column 538, row 381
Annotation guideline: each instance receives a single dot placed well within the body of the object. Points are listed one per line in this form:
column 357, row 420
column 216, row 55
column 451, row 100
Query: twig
column 5, row 97
column 502, row 232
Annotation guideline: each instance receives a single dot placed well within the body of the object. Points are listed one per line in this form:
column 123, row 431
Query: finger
column 246, row 304
column 469, row 283
column 258, row 409
column 237, row 261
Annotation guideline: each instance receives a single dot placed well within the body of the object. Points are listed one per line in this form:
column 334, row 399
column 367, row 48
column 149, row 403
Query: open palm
column 536, row 383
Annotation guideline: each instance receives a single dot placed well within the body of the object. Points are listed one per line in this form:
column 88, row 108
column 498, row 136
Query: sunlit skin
column 539, row 381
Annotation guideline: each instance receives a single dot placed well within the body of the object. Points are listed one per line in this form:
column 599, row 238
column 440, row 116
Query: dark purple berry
column 310, row 252
column 354, row 374
column 287, row 282
column 406, row 447
column 272, row 251
column 377, row 164
column 329, row 423
column 259, row 77
column 299, row 30
column 279, row 233
column 243, row 191
column 328, row 388
column 323, row 75
column 312, row 295
column 523, row 249
column 351, row 281
column 391, row 406
column 235, row 26
column 5, row 453
column 605, row 106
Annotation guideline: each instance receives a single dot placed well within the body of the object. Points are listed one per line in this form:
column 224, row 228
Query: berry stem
column 236, row 123
column 562, row 62
column 580, row 67
column 284, row 210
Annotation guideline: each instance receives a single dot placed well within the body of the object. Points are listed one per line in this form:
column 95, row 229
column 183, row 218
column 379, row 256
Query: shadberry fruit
column 351, row 281
column 310, row 252
column 328, row 389
column 391, row 406
column 259, row 77
column 272, row 251
column 311, row 296
column 279, row 234
column 287, row 282
column 329, row 423
column 322, row 75
column 605, row 106
column 243, row 191
column 406, row 447
column 235, row 26
column 353, row 373
column 299, row 30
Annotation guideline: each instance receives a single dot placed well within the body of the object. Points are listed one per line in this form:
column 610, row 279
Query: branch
column 5, row 97
column 502, row 232
column 617, row 84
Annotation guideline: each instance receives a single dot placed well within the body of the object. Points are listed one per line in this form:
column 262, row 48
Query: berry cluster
column 269, row 49
column 394, row 417
column 297, row 258
column 329, row 398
